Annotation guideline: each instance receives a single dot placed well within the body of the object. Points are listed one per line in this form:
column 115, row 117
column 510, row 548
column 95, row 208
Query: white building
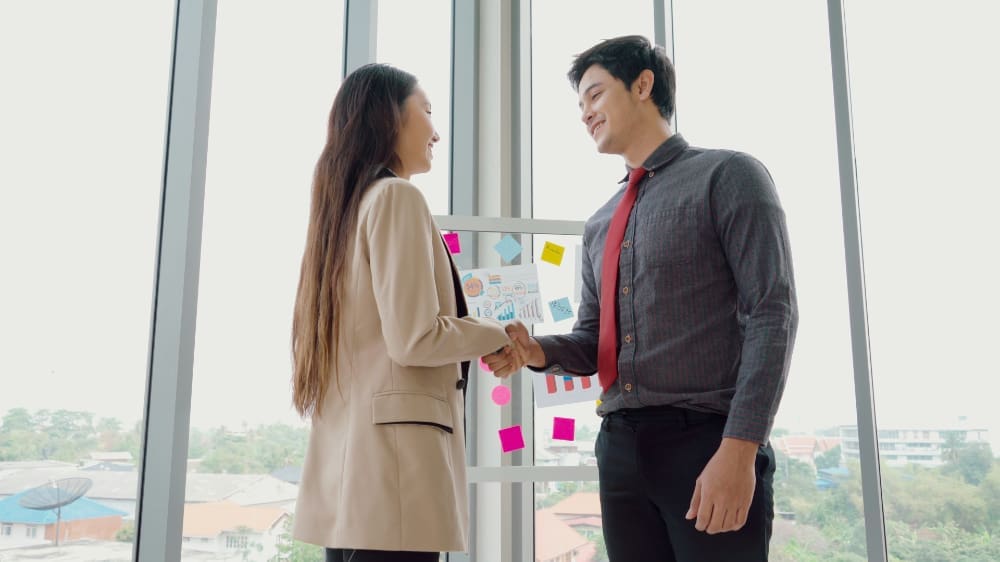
column 922, row 444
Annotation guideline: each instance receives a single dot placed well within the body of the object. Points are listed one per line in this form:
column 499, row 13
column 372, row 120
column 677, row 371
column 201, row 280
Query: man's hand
column 529, row 350
column 724, row 490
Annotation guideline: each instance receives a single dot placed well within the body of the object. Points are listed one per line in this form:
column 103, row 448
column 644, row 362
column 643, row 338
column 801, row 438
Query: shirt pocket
column 670, row 237
column 411, row 408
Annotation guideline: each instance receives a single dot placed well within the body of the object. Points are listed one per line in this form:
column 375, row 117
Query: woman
column 378, row 336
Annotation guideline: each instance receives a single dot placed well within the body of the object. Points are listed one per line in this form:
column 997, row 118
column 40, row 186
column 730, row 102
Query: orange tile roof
column 209, row 519
column 553, row 538
column 580, row 503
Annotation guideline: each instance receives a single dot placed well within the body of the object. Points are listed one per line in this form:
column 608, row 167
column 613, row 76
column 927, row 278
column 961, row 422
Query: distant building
column 118, row 489
column 804, row 448
column 82, row 519
column 925, row 445
column 582, row 512
column 555, row 541
column 290, row 474
column 227, row 527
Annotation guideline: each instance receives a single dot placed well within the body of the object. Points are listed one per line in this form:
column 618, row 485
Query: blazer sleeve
column 401, row 235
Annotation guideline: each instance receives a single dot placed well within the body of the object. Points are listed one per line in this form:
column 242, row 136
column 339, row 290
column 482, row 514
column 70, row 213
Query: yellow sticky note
column 553, row 253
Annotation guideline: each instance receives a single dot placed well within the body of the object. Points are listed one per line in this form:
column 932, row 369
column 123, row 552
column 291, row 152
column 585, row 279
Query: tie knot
column 635, row 175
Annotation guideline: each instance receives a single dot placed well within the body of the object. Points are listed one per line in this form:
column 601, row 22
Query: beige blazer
column 385, row 465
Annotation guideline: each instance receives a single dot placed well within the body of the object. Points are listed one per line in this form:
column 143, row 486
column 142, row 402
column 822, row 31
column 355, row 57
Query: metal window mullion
column 508, row 224
column 360, row 23
column 163, row 464
column 663, row 33
column 463, row 191
column 871, row 484
column 522, row 205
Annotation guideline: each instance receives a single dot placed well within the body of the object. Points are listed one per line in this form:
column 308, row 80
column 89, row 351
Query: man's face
column 607, row 109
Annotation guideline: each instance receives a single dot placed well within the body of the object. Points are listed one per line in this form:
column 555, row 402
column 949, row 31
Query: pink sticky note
column 563, row 428
column 511, row 438
column 501, row 395
column 484, row 366
column 451, row 239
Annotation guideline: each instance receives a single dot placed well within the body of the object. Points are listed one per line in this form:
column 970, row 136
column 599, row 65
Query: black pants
column 648, row 460
column 351, row 555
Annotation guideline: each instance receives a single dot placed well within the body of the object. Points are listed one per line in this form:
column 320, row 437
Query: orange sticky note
column 553, row 253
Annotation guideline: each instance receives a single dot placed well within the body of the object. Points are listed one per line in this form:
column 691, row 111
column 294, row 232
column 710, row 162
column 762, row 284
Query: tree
column 829, row 459
column 291, row 550
column 126, row 533
column 972, row 462
column 17, row 419
column 953, row 441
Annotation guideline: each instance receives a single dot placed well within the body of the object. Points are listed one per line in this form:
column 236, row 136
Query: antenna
column 54, row 495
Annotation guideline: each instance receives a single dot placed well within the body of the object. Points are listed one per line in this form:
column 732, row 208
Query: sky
column 82, row 129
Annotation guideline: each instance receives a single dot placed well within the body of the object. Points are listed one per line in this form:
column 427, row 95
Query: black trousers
column 648, row 460
column 351, row 555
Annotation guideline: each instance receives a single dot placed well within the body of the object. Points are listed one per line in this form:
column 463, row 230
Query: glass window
column 925, row 123
column 736, row 90
column 270, row 105
column 570, row 180
column 429, row 59
column 82, row 128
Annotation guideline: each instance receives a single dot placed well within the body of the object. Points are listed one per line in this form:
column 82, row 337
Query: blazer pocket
column 412, row 408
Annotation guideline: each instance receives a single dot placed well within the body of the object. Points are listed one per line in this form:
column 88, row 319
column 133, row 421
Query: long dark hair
column 360, row 147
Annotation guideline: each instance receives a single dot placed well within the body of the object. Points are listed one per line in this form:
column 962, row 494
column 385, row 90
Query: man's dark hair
column 625, row 58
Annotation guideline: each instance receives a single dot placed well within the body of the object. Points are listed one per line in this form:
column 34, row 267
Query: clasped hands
column 724, row 490
column 522, row 350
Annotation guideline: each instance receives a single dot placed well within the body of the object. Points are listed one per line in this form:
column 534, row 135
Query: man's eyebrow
column 589, row 88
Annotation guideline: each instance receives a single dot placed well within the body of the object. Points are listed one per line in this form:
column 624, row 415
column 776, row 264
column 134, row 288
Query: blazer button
column 461, row 384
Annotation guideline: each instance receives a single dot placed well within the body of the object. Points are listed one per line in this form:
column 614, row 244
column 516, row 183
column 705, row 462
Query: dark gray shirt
column 706, row 298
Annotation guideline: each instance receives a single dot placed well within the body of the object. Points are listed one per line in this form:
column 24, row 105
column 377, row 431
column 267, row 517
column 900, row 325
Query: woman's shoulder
column 393, row 195
column 394, row 187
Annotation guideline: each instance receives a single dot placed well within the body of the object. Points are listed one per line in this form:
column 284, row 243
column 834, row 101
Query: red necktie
column 607, row 342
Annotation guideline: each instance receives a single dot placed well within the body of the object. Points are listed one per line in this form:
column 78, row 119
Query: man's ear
column 643, row 84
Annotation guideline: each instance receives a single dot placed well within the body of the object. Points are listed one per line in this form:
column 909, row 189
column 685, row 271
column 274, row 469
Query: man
column 688, row 314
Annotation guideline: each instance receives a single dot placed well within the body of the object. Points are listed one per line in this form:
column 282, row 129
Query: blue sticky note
column 561, row 309
column 508, row 248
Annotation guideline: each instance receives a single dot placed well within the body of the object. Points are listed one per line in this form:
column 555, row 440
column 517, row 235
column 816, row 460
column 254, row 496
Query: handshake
column 522, row 350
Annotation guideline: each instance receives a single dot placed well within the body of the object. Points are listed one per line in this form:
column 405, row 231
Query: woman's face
column 416, row 136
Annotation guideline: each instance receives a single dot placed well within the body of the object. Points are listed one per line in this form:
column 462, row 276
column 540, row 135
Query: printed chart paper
column 504, row 293
column 556, row 390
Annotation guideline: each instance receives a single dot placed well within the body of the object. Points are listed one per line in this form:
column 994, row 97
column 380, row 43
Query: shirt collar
column 663, row 155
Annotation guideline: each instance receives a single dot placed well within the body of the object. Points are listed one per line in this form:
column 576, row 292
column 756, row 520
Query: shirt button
column 628, row 338
column 651, row 173
column 628, row 387
column 627, row 243
column 624, row 290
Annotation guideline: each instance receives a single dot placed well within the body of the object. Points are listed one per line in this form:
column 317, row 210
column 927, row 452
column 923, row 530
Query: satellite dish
column 54, row 495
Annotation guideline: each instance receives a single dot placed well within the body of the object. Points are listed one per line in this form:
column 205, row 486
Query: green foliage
column 291, row 550
column 261, row 450
column 923, row 497
column 565, row 490
column 600, row 549
column 126, row 533
column 971, row 462
column 829, row 459
column 61, row 435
